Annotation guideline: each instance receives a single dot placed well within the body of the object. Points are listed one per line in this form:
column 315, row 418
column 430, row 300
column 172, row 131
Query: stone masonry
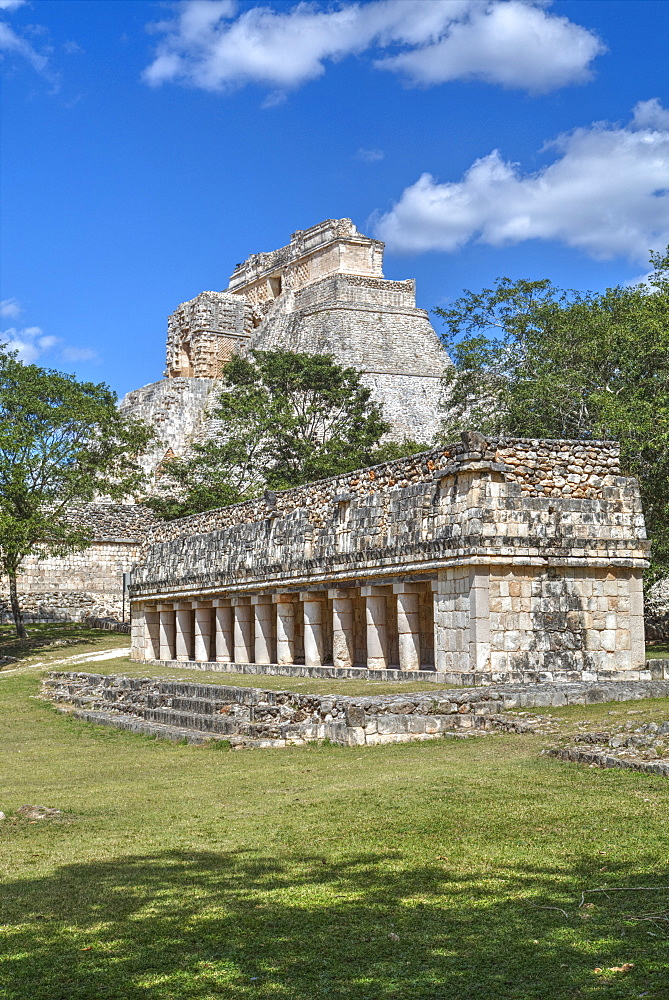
column 253, row 717
column 324, row 293
column 89, row 582
column 483, row 561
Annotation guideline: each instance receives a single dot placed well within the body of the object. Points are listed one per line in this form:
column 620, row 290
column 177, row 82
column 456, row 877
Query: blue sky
column 149, row 147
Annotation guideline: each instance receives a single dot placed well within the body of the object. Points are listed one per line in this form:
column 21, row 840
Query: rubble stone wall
column 253, row 717
column 539, row 468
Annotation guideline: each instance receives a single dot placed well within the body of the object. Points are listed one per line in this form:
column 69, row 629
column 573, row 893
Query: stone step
column 250, row 738
column 145, row 727
column 205, row 723
column 253, row 716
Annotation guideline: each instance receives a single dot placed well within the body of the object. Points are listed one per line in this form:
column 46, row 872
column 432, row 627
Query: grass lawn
column 56, row 640
column 438, row 870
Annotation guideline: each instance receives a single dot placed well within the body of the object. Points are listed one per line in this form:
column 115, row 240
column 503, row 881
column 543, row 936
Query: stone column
column 377, row 627
column 285, row 628
column 184, row 621
column 479, row 618
column 139, row 635
column 243, row 630
column 343, row 638
column 408, row 624
column 202, row 631
column 166, row 632
column 313, row 628
column 637, row 633
column 152, row 619
column 263, row 614
column 224, row 640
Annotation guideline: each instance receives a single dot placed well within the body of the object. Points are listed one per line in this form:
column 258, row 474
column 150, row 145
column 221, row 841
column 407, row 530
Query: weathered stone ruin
column 253, row 717
column 324, row 293
column 88, row 583
column 484, row 561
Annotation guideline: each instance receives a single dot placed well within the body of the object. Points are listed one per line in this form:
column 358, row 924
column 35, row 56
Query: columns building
column 481, row 561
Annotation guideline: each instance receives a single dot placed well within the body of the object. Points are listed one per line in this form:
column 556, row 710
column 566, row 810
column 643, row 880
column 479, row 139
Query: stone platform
column 253, row 717
column 657, row 670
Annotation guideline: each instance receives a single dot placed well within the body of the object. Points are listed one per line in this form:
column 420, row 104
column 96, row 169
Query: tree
column 531, row 360
column 283, row 419
column 61, row 442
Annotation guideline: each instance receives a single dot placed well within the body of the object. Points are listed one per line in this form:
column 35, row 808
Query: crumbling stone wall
column 539, row 469
column 253, row 717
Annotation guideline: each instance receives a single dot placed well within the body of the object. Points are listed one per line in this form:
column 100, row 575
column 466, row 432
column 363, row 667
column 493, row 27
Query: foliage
column 531, row 360
column 449, row 869
column 61, row 442
column 285, row 419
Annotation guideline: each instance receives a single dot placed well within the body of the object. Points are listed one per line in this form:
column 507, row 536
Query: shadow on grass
column 193, row 926
column 45, row 637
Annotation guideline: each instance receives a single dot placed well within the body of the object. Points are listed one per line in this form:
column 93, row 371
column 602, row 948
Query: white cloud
column 369, row 155
column 14, row 44
column 79, row 354
column 10, row 42
column 606, row 193
column 641, row 279
column 30, row 343
column 11, row 308
column 515, row 43
column 651, row 114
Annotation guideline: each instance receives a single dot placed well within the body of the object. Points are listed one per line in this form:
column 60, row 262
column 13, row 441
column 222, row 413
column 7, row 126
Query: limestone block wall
column 372, row 325
column 523, row 569
column 593, row 614
column 412, row 404
column 88, row 582
column 97, row 569
column 363, row 290
column 452, row 619
column 330, row 247
column 540, row 475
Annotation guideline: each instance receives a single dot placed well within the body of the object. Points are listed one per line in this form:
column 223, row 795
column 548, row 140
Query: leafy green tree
column 284, row 419
column 61, row 442
column 531, row 360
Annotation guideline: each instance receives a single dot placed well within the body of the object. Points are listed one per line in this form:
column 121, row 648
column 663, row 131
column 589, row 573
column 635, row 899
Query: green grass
column 311, row 685
column 435, row 871
column 55, row 640
column 657, row 651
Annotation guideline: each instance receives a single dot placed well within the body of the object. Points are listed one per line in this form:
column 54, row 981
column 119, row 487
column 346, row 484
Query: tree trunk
column 16, row 608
